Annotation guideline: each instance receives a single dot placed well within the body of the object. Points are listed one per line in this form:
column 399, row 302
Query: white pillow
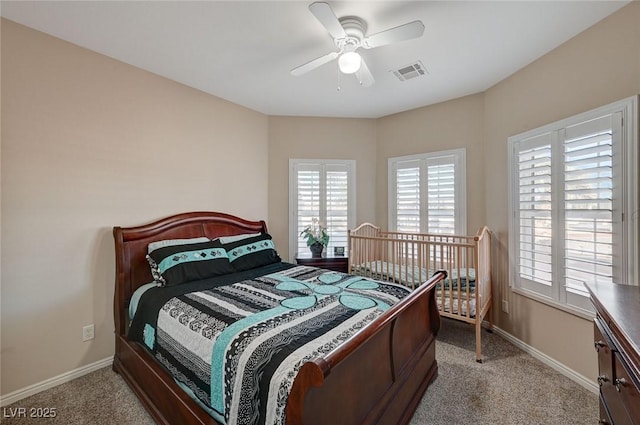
column 235, row 238
column 171, row 242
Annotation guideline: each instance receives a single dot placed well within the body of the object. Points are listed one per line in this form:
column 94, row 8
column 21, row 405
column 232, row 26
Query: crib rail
column 483, row 272
column 411, row 258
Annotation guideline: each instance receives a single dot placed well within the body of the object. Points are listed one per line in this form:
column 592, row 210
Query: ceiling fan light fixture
column 349, row 62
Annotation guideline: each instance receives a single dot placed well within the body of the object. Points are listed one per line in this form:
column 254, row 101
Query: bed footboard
column 380, row 375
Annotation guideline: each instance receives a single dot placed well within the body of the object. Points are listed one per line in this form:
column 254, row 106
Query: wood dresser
column 617, row 340
column 338, row 263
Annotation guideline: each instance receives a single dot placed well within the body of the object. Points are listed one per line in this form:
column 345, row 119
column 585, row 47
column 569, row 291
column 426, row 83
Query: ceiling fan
column 348, row 34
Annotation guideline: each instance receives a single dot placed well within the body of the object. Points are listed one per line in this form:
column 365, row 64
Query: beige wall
column 597, row 67
column 319, row 138
column 449, row 125
column 89, row 143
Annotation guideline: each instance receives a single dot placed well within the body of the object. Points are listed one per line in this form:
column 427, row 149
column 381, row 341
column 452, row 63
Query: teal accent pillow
column 176, row 264
column 252, row 252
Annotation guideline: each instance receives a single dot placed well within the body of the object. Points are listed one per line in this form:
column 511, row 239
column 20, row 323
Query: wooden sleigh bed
column 407, row 258
column 377, row 376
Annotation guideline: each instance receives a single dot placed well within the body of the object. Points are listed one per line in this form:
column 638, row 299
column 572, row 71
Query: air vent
column 408, row 72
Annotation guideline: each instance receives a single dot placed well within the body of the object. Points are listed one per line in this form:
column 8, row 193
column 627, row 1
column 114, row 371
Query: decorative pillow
column 252, row 252
column 170, row 242
column 157, row 277
column 235, row 238
column 176, row 264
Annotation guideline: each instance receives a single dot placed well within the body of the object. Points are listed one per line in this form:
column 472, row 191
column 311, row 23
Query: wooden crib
column 411, row 258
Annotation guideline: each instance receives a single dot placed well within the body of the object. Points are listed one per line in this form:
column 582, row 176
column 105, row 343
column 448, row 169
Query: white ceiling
column 243, row 51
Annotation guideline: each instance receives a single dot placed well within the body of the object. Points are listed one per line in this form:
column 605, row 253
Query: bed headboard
column 132, row 268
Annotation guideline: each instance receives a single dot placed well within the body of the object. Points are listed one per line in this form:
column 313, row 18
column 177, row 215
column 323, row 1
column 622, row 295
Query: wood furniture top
column 325, row 255
column 619, row 307
column 339, row 263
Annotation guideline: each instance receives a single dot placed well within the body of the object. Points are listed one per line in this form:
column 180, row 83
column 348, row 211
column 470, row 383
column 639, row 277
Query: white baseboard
column 579, row 379
column 53, row 382
column 81, row 371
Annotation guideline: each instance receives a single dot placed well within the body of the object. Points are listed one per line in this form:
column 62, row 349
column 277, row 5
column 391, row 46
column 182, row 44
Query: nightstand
column 338, row 263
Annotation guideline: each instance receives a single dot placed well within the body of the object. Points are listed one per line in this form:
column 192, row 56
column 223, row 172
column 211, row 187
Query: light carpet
column 510, row 387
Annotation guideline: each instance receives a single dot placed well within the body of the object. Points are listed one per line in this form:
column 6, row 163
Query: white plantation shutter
column 588, row 203
column 441, row 198
column 408, row 197
column 308, row 199
column 534, row 212
column 427, row 193
column 325, row 190
column 337, row 210
column 572, row 184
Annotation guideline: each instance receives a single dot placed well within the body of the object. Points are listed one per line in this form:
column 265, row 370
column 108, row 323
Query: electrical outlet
column 505, row 306
column 88, row 332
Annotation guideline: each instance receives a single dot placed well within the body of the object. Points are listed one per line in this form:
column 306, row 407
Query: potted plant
column 317, row 237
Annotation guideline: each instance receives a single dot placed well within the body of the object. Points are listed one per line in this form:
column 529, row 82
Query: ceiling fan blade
column 364, row 75
column 324, row 14
column 408, row 31
column 311, row 65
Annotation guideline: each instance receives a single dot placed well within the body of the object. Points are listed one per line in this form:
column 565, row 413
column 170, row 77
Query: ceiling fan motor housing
column 355, row 29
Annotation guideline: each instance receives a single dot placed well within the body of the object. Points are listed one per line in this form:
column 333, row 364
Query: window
column 427, row 193
column 573, row 196
column 322, row 189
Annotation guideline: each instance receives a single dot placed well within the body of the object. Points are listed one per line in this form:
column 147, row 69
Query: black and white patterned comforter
column 236, row 342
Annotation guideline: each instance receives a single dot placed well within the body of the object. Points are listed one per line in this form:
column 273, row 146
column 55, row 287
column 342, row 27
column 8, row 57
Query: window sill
column 576, row 311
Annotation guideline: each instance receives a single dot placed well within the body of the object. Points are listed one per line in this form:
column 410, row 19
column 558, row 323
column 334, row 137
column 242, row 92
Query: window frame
column 460, row 162
column 625, row 162
column 294, row 164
